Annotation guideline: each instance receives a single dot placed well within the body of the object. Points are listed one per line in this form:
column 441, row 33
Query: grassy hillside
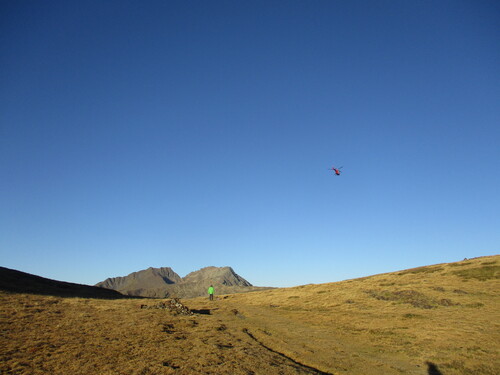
column 447, row 315
column 440, row 319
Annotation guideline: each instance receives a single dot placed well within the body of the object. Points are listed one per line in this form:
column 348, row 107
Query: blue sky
column 196, row 133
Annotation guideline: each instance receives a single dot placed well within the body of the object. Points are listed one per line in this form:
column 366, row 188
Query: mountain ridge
column 164, row 282
column 15, row 281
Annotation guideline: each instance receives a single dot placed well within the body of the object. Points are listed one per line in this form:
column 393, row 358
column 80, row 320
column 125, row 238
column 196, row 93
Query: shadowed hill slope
column 164, row 282
column 22, row 282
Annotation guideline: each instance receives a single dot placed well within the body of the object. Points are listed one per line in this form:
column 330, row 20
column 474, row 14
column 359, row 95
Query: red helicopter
column 336, row 170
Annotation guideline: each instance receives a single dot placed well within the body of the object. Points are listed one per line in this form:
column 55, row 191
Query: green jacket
column 211, row 290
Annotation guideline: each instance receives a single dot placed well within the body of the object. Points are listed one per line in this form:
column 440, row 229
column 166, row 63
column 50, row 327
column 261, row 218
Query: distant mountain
column 143, row 283
column 221, row 275
column 164, row 282
column 21, row 282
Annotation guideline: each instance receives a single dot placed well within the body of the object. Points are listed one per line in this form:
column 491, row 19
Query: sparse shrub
column 412, row 297
column 349, row 301
column 168, row 328
column 439, row 288
column 474, row 349
column 459, row 365
column 480, row 273
column 411, row 316
column 421, row 270
column 387, row 284
column 489, row 263
column 381, row 332
column 265, row 331
column 459, row 291
column 475, row 305
column 459, row 264
column 293, row 297
column 481, row 369
column 415, row 299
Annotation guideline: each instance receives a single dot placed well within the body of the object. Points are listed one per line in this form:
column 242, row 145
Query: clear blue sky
column 195, row 133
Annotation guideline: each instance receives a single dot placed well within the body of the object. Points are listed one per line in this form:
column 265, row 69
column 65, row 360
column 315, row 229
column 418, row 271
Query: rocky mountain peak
column 163, row 282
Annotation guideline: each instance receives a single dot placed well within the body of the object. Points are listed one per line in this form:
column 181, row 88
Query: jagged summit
column 164, row 282
column 224, row 275
column 149, row 278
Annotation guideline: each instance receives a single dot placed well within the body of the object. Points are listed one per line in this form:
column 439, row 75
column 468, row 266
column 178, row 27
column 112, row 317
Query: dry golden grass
column 430, row 320
column 54, row 335
column 388, row 324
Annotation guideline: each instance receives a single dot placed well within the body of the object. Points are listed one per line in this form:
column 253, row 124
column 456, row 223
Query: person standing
column 211, row 292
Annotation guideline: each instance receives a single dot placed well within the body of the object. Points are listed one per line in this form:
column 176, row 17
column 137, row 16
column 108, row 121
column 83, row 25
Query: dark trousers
column 211, row 297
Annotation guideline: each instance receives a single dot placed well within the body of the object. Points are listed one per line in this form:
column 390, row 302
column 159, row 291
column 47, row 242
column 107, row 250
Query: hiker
column 211, row 292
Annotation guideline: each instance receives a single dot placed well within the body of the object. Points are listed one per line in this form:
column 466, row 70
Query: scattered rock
column 168, row 364
column 222, row 327
column 173, row 305
column 238, row 314
column 168, row 328
column 446, row 302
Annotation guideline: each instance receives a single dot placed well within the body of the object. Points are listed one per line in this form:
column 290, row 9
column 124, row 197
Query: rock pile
column 173, row 305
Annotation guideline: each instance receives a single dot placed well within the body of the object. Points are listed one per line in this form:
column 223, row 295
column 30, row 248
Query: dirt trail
column 440, row 318
column 51, row 335
column 313, row 346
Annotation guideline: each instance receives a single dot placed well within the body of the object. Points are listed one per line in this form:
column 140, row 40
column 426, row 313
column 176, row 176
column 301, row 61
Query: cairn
column 173, row 305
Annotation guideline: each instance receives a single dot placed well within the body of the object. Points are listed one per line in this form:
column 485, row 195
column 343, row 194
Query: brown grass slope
column 54, row 335
column 443, row 318
column 440, row 319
